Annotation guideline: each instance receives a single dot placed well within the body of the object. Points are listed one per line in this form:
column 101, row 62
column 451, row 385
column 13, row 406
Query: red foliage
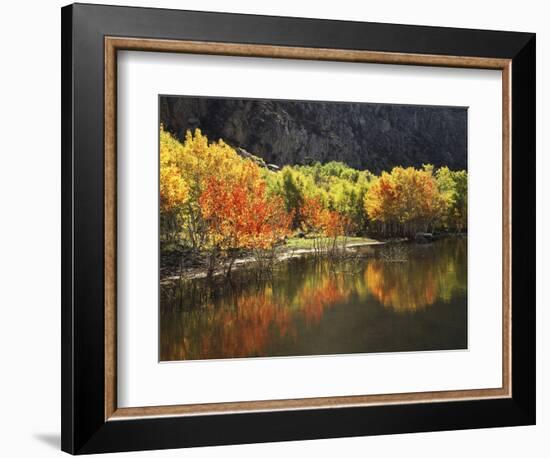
column 321, row 220
column 241, row 215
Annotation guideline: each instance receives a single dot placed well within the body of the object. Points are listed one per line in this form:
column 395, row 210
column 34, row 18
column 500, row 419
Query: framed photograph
column 282, row 228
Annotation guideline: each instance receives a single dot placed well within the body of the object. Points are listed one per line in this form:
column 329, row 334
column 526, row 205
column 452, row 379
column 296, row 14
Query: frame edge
column 520, row 409
column 67, row 369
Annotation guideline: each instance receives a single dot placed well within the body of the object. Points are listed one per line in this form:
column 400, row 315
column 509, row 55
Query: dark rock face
column 363, row 135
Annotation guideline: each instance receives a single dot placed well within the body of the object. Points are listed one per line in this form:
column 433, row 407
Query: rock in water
column 424, row 237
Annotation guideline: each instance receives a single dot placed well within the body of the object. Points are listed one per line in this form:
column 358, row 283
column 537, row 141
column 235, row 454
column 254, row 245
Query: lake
column 389, row 298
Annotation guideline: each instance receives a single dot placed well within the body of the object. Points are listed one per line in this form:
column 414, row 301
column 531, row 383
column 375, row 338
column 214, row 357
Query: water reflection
column 310, row 306
column 433, row 274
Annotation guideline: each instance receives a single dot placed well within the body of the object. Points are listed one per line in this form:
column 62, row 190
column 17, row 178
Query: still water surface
column 379, row 301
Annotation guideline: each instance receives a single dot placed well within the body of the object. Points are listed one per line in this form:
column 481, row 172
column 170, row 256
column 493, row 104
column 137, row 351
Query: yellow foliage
column 173, row 189
column 407, row 197
column 219, row 197
column 196, row 160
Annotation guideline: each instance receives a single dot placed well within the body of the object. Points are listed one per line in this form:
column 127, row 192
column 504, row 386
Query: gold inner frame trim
column 114, row 44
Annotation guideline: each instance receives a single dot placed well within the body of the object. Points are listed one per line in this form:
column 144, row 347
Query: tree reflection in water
column 413, row 285
column 290, row 313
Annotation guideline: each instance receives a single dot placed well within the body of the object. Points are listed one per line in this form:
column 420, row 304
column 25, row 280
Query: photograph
column 300, row 228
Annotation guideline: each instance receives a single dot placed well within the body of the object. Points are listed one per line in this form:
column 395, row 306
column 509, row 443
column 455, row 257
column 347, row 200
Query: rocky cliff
column 363, row 135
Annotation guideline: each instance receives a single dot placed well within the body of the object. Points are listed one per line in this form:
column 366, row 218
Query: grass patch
column 297, row 243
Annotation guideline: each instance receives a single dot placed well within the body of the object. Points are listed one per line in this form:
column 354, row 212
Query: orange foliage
column 241, row 215
column 382, row 199
column 406, row 198
column 318, row 219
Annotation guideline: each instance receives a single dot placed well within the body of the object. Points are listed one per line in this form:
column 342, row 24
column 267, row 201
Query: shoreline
column 193, row 273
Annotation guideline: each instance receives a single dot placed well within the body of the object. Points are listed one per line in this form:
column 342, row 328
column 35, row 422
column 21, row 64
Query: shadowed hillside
column 365, row 136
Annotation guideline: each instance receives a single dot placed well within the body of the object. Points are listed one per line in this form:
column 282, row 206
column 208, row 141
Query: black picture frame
column 84, row 428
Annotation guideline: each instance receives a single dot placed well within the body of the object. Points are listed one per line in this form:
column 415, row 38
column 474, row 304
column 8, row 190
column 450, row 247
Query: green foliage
column 337, row 186
column 453, row 186
column 294, row 187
